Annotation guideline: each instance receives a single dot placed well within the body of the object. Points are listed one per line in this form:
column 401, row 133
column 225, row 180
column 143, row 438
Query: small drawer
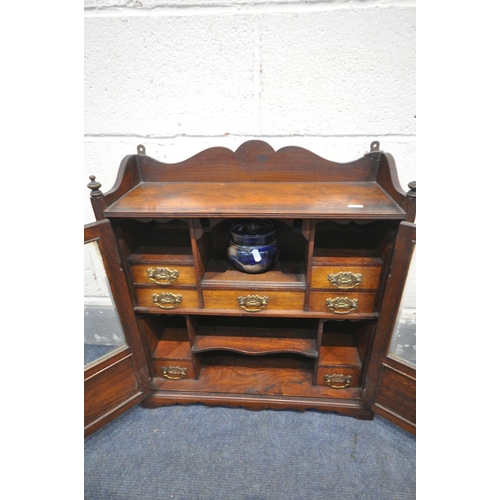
column 171, row 299
column 340, row 303
column 253, row 301
column 339, row 377
column 345, row 277
column 163, row 274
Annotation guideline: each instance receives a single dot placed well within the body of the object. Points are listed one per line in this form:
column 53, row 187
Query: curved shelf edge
column 255, row 346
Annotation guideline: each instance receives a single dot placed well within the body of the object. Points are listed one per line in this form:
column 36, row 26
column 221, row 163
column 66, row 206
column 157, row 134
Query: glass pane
column 404, row 338
column 102, row 328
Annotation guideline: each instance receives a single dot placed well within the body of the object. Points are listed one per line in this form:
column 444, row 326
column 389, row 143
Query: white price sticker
column 256, row 255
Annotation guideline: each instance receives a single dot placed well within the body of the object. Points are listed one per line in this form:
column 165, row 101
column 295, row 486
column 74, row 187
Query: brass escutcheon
column 252, row 303
column 342, row 305
column 162, row 275
column 338, row 380
column 174, row 372
column 345, row 279
column 167, row 300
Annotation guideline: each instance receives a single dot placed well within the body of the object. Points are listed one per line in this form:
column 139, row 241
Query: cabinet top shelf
column 254, row 181
column 257, row 199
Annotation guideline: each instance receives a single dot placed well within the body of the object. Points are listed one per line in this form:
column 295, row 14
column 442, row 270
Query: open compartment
column 349, row 239
column 168, row 337
column 269, row 374
column 342, row 353
column 349, row 260
column 286, row 378
column 162, row 236
column 160, row 252
column 256, row 336
column 288, row 272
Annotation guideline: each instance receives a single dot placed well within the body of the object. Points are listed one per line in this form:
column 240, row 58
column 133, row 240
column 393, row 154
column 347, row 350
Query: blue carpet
column 202, row 453
column 92, row 352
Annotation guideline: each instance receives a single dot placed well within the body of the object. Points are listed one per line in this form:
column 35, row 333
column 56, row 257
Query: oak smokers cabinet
column 311, row 333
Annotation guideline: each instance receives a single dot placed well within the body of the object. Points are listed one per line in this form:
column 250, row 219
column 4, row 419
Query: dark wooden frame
column 390, row 383
column 118, row 381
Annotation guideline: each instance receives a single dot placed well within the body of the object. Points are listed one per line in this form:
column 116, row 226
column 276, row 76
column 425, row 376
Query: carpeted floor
column 202, row 453
column 93, row 352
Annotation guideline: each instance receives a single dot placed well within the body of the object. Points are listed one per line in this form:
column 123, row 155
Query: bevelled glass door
column 115, row 373
column 103, row 333
column 403, row 346
column 391, row 376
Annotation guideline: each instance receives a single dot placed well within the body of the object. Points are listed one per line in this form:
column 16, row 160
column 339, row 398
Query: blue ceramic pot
column 253, row 247
column 252, row 232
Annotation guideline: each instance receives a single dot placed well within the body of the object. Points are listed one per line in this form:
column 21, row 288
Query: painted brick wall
column 181, row 76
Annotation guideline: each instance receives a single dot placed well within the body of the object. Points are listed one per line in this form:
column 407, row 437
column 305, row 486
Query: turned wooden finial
column 94, row 186
column 410, row 204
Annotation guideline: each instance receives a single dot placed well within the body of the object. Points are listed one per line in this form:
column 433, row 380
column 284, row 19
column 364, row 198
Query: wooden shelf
column 263, row 380
column 255, row 345
column 285, row 274
column 347, row 200
column 257, row 336
column 240, row 313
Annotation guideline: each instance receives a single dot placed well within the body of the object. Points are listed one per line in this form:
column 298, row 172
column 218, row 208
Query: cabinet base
column 259, row 402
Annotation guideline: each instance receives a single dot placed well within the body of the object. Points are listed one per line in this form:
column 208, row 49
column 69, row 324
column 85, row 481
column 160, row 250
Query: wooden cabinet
column 301, row 335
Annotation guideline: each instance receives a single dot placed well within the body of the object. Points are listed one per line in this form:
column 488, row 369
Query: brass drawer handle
column 174, row 372
column 167, row 300
column 345, row 279
column 162, row 275
column 338, row 380
column 252, row 303
column 342, row 305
